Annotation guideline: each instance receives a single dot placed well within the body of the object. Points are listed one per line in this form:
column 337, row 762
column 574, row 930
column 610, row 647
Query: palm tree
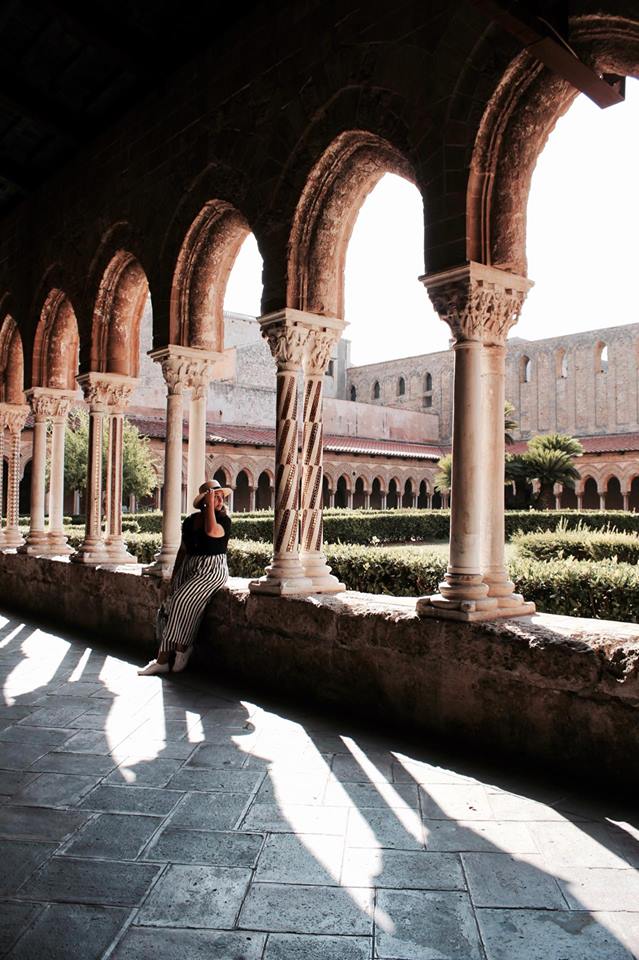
column 443, row 478
column 557, row 441
column 509, row 423
column 549, row 466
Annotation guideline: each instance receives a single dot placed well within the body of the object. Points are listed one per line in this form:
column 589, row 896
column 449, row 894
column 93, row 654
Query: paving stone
column 113, row 836
column 151, row 773
column 425, row 774
column 293, row 858
column 19, row 756
column 89, row 741
column 55, row 716
column 306, row 909
column 78, row 688
column 213, row 811
column 364, row 795
column 55, row 790
column 425, row 925
column 510, row 806
column 381, row 828
column 203, row 779
column 217, row 757
column 164, row 730
column 296, row 818
column 112, row 799
column 593, row 888
column 70, row 932
column 348, row 770
column 90, row 881
column 11, row 781
column 141, row 943
column 39, row 823
column 296, row 788
column 14, row 917
column 35, row 736
column 78, row 763
column 18, row 860
column 624, row 926
column 547, row 935
column 497, row 880
column 196, row 896
column 567, row 845
column 402, row 869
column 454, row 801
column 213, row 847
column 150, row 748
column 294, row 946
column 447, row 835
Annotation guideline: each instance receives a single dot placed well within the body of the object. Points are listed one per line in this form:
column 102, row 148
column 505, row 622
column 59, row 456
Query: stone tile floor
column 147, row 818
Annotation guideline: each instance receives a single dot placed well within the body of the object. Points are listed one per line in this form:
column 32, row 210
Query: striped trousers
column 180, row 615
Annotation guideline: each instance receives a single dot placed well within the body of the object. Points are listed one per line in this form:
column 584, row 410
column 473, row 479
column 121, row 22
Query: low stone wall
column 555, row 690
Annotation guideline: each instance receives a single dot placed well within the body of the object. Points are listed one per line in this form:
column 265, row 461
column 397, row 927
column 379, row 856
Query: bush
column 531, row 520
column 580, row 544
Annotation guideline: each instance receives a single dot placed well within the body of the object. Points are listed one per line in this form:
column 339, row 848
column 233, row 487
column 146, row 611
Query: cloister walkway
column 173, row 818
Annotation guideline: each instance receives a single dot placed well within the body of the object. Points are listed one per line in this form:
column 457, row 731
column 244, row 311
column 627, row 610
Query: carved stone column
column 96, row 394
column 2, row 429
column 45, row 403
column 252, row 492
column 119, row 394
column 602, row 499
column 480, row 304
column 626, row 500
column 383, row 501
column 57, row 545
column 323, row 334
column 287, row 339
column 12, row 418
column 200, row 372
column 367, row 500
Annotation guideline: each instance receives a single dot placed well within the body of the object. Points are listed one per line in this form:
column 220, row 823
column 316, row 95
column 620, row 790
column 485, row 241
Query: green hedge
column 580, row 544
column 531, row 520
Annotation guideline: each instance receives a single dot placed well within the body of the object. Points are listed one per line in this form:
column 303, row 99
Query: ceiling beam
column 544, row 43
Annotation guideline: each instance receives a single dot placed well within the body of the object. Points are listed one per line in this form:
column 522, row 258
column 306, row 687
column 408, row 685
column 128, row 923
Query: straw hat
column 207, row 487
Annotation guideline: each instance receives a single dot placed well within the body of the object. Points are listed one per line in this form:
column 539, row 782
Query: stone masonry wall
column 551, row 690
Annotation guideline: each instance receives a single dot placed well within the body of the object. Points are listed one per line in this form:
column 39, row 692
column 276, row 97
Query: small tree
column 549, row 467
column 138, row 476
column 443, row 478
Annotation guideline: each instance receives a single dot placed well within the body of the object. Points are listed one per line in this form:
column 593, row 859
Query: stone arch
column 343, row 488
column 119, row 305
column 223, row 476
column 409, row 490
column 358, row 493
column 401, row 387
column 204, row 263
column 515, row 127
column 56, row 344
column 525, row 369
column 241, row 496
column 423, row 493
column 11, row 362
column 561, row 363
column 613, row 494
column 590, row 494
column 263, row 498
column 353, row 392
column 376, row 391
column 601, row 357
column 633, row 501
column 395, row 491
column 325, row 215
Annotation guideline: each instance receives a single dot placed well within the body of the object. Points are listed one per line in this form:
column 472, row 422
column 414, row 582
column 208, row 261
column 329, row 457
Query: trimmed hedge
column 580, row 544
column 532, row 520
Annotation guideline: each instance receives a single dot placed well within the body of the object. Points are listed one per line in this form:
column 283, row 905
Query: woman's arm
column 211, row 527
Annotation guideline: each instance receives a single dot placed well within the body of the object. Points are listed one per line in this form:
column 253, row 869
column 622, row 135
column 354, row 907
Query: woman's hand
column 211, row 527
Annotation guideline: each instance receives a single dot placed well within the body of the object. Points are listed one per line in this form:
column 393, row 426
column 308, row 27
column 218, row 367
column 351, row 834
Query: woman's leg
column 188, row 602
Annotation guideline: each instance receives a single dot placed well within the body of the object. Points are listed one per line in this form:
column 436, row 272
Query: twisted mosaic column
column 285, row 575
column 13, row 417
column 118, row 396
column 2, row 429
column 198, row 381
column 57, row 545
column 319, row 347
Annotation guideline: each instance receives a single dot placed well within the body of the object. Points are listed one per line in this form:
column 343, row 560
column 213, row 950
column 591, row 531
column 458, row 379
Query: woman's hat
column 207, row 488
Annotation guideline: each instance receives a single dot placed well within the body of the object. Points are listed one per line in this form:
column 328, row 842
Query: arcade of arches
column 468, row 136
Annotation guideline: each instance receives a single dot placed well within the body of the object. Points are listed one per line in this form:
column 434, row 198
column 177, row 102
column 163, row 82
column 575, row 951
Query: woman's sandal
column 152, row 668
column 181, row 659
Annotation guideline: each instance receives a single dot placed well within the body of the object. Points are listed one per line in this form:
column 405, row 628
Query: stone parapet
column 555, row 691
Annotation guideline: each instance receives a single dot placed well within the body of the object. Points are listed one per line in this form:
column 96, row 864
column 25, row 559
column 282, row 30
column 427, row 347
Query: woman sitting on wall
column 199, row 572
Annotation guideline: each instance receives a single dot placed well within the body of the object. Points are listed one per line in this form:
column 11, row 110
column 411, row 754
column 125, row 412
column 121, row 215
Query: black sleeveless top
column 198, row 543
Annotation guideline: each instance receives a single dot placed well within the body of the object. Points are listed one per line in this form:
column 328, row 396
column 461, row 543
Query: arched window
column 601, row 358
column 401, row 387
column 428, row 383
column 353, row 392
column 330, row 370
column 561, row 364
column 376, row 390
column 525, row 369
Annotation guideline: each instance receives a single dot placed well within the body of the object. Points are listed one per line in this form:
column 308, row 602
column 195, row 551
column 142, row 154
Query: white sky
column 582, row 243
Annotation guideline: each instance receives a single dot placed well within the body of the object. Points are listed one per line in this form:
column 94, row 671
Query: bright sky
column 583, row 251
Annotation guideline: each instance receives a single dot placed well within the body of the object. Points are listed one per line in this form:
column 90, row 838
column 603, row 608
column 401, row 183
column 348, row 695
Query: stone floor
column 148, row 818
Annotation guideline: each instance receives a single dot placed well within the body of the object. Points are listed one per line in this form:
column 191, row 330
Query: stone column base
column 491, row 608
column 10, row 539
column 36, row 544
column 284, row 578
column 117, row 552
column 162, row 566
column 318, row 571
column 91, row 552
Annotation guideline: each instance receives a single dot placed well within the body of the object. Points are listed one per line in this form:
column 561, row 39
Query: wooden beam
column 541, row 40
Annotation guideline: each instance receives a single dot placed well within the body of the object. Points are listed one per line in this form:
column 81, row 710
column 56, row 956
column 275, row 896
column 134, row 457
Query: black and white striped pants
column 180, row 615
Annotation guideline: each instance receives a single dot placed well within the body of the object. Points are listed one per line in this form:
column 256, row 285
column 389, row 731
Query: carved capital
column 319, row 348
column 478, row 302
column 49, row 403
column 287, row 343
column 13, row 417
column 185, row 368
column 107, row 391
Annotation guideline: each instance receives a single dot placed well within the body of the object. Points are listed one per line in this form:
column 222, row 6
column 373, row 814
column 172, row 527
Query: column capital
column 187, row 368
column 13, row 416
column 477, row 302
column 49, row 402
column 286, row 336
column 107, row 392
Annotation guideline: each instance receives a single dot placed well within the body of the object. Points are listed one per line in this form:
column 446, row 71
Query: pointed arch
column 11, row 362
column 56, row 344
column 325, row 216
column 203, row 266
column 120, row 301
